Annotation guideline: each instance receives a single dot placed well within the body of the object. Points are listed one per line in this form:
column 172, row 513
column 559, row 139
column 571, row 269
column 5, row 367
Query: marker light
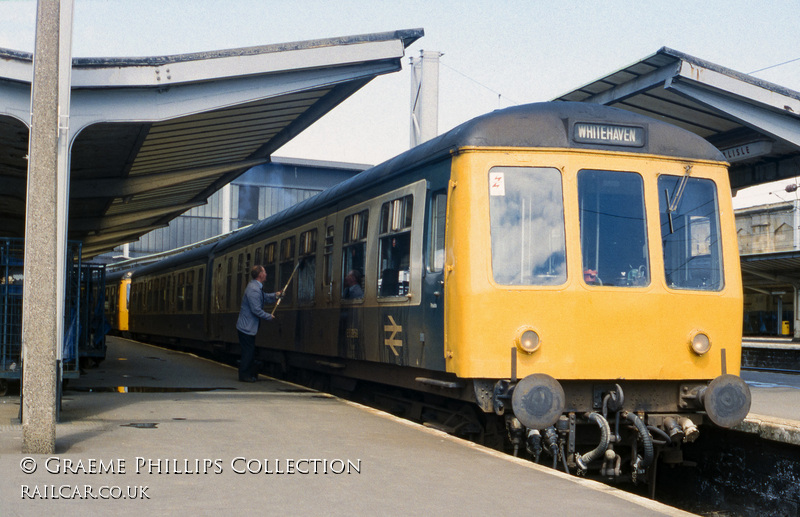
column 700, row 343
column 528, row 341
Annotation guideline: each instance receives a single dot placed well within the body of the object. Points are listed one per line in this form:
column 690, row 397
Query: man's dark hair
column 255, row 271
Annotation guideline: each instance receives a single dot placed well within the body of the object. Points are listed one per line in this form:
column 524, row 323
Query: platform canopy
column 755, row 123
column 152, row 137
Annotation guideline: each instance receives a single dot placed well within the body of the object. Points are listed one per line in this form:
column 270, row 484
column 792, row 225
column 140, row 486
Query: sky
column 495, row 53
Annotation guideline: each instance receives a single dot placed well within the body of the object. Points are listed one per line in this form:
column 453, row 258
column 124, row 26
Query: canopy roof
column 152, row 137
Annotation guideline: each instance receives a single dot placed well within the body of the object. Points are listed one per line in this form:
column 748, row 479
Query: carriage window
column 394, row 247
column 188, row 291
column 690, row 233
column 269, row 267
column 613, row 230
column 354, row 254
column 181, row 288
column 229, row 284
column 200, row 280
column 438, row 213
column 241, row 276
column 306, row 272
column 287, row 267
column 328, row 260
column 162, row 295
column 527, row 224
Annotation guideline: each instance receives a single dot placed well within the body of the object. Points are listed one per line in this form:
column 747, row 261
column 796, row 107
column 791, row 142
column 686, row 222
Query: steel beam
column 112, row 221
column 130, row 186
column 777, row 125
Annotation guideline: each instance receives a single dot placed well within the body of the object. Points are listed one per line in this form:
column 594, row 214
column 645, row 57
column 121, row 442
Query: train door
column 433, row 286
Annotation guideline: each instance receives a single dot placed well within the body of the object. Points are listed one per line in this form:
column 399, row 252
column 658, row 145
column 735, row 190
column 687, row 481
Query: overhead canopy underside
column 755, row 123
column 153, row 137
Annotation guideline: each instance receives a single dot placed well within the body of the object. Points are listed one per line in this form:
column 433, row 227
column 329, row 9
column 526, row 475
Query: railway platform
column 157, row 431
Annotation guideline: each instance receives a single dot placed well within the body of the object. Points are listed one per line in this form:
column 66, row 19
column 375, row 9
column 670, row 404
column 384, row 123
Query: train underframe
column 613, row 430
column 618, row 431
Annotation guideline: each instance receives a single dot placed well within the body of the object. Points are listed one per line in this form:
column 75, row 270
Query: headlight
column 700, row 343
column 528, row 341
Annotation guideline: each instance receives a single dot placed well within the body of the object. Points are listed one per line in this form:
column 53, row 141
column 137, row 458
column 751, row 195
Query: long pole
column 283, row 291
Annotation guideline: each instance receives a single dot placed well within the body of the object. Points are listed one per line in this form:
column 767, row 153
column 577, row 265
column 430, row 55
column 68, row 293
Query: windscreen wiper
column 672, row 205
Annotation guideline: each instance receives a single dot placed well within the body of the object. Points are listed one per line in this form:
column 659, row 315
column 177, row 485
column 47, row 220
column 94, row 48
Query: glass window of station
column 613, row 229
column 526, row 207
column 690, row 233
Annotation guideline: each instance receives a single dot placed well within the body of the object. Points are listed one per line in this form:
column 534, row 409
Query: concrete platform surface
column 775, row 410
column 266, row 448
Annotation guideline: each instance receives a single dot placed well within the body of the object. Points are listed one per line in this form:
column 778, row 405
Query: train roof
column 545, row 125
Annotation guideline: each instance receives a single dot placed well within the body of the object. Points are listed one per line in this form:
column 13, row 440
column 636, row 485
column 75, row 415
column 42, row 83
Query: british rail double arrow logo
column 391, row 342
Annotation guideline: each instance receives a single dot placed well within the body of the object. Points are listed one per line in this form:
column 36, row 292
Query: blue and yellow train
column 571, row 267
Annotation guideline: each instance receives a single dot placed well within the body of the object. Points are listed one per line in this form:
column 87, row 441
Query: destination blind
column 607, row 134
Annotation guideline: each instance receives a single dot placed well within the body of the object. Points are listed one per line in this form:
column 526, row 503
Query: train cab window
column 306, row 272
column 438, row 215
column 354, row 252
column 394, row 247
column 690, row 233
column 613, row 228
column 287, row 267
column 257, row 259
column 327, row 278
column 269, row 266
column 526, row 209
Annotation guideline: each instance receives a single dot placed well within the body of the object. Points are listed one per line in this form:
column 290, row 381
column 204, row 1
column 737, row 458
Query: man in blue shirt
column 250, row 315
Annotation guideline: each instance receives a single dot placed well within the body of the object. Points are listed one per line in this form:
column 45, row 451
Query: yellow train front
column 117, row 298
column 598, row 280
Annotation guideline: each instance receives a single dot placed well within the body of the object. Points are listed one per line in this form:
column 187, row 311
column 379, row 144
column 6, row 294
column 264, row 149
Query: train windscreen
column 527, row 223
column 690, row 233
column 613, row 228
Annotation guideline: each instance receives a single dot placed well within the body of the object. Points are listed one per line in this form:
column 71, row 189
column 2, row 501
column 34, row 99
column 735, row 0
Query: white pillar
column 45, row 225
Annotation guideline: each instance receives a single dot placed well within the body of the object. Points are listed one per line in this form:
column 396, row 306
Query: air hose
column 644, row 434
column 583, row 460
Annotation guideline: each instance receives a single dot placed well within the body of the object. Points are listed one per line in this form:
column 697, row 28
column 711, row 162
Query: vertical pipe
column 226, row 208
column 796, row 228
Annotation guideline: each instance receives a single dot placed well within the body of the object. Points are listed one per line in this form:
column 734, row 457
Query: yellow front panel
column 587, row 332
